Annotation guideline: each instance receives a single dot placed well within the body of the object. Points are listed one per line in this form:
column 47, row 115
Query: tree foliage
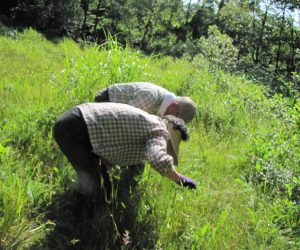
column 219, row 49
column 292, row 4
column 54, row 18
column 263, row 31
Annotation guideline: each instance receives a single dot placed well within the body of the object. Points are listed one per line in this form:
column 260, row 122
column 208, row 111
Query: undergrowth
column 243, row 153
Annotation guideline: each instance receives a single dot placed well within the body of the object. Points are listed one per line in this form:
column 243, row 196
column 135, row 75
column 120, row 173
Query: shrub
column 274, row 160
column 218, row 49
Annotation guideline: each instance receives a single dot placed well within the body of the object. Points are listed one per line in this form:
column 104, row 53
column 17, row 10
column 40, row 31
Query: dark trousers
column 102, row 96
column 71, row 134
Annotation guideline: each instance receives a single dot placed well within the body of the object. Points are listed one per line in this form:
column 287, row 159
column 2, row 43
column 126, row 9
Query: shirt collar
column 165, row 103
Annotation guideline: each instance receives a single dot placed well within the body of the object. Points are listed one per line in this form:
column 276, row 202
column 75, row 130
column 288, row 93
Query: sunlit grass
column 40, row 80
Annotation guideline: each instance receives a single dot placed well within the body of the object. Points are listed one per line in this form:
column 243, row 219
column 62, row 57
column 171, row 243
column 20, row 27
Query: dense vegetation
column 263, row 32
column 244, row 153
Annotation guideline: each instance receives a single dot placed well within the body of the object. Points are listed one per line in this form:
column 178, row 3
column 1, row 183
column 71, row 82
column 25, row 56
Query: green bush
column 6, row 31
column 275, row 159
column 218, row 49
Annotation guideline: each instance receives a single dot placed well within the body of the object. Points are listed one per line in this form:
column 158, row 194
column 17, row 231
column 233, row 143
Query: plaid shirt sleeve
column 156, row 155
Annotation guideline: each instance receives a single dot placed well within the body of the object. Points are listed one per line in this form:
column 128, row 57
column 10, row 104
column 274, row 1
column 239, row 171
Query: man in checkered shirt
column 119, row 134
column 150, row 98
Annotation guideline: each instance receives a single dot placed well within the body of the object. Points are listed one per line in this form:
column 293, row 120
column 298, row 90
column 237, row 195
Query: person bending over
column 150, row 98
column 118, row 134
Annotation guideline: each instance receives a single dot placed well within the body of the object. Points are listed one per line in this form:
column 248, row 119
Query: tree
column 153, row 24
column 218, row 49
column 52, row 17
column 201, row 20
column 84, row 4
column 260, row 39
column 235, row 20
column 292, row 4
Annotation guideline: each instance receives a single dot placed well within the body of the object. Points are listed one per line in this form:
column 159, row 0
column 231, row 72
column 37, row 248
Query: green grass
column 229, row 210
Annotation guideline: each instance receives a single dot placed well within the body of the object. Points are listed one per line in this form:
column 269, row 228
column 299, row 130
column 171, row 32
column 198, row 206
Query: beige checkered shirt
column 143, row 95
column 124, row 135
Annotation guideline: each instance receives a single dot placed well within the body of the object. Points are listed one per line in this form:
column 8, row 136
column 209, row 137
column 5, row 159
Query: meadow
column 243, row 153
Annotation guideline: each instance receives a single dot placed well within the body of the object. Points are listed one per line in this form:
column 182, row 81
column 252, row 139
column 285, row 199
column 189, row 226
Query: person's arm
column 163, row 163
column 181, row 179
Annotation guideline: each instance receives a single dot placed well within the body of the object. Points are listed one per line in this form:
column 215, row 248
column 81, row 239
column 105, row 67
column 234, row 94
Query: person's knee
column 87, row 183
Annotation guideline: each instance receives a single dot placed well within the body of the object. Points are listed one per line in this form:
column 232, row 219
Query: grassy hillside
column 243, row 153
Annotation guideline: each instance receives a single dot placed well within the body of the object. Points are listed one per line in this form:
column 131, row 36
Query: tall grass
column 40, row 80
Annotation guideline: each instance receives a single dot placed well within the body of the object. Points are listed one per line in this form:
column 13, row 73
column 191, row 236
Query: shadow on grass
column 77, row 224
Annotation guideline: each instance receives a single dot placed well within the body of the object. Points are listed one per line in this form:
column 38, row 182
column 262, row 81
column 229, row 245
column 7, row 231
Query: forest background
column 238, row 60
column 264, row 36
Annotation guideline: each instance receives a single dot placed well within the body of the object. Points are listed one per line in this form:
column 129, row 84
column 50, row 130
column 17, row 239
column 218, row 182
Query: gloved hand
column 187, row 182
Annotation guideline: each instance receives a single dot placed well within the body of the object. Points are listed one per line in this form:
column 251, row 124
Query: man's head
column 182, row 107
column 178, row 131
